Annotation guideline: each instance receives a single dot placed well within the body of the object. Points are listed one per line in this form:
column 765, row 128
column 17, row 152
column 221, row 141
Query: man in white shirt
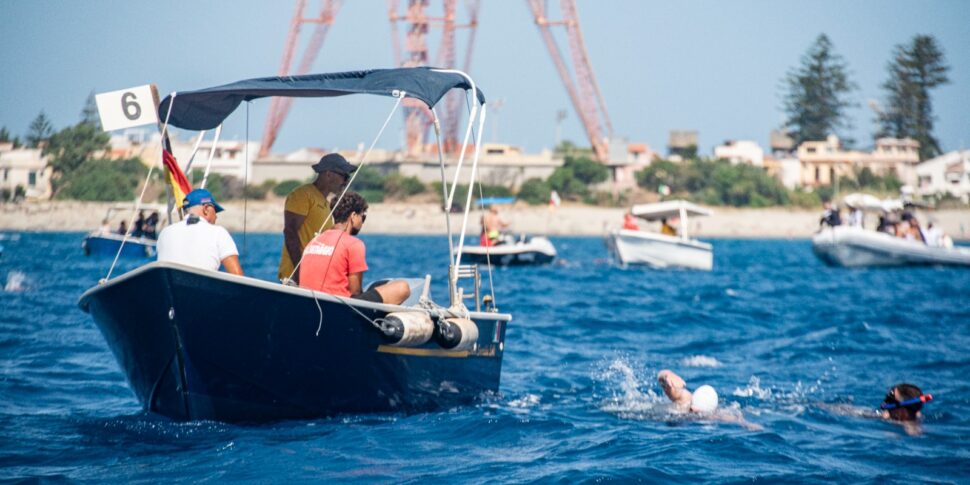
column 196, row 240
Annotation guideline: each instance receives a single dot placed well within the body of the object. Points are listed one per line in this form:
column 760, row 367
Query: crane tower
column 583, row 91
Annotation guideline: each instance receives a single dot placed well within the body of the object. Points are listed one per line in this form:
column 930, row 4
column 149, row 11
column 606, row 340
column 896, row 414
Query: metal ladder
column 467, row 271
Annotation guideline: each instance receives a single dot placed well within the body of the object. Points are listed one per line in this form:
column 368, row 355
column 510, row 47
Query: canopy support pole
column 444, row 183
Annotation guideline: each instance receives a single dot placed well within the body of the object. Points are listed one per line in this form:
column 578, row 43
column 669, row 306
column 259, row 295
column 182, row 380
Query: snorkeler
column 904, row 402
column 702, row 400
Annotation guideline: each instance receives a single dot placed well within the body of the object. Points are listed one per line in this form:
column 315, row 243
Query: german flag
column 180, row 184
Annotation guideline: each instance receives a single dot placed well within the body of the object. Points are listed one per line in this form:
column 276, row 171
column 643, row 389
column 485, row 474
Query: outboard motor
column 407, row 329
column 456, row 333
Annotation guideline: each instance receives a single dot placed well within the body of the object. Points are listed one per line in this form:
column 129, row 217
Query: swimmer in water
column 702, row 402
column 903, row 404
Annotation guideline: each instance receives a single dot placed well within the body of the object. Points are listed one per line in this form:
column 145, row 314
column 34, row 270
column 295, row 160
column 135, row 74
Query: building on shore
column 785, row 168
column 824, row 161
column 681, row 144
column 741, row 151
column 498, row 164
column 946, row 174
column 625, row 160
column 24, row 172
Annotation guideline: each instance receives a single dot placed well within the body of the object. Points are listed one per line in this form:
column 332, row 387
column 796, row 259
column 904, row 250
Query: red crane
column 584, row 91
column 416, row 53
column 279, row 107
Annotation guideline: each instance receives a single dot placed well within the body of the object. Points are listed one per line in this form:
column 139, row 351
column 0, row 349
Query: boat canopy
column 871, row 203
column 205, row 109
column 487, row 201
column 668, row 209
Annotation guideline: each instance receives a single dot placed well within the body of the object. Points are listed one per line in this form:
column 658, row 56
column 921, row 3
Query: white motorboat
column 856, row 247
column 525, row 250
column 657, row 250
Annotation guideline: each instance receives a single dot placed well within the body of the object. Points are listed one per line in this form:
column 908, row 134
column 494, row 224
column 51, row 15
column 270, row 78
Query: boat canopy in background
column 205, row 109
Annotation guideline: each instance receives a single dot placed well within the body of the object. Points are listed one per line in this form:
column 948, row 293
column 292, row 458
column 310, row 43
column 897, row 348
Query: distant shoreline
column 401, row 218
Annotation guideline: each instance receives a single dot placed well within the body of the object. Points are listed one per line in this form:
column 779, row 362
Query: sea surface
column 800, row 354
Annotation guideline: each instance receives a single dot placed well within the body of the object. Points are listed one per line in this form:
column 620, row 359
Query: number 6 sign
column 128, row 107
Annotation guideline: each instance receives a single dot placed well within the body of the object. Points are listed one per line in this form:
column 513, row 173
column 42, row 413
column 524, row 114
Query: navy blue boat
column 97, row 244
column 200, row 344
column 104, row 242
column 197, row 344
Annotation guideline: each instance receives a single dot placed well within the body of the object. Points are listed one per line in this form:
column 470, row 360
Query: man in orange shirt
column 334, row 262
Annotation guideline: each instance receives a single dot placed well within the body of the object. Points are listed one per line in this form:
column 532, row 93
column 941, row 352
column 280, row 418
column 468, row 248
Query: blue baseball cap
column 200, row 197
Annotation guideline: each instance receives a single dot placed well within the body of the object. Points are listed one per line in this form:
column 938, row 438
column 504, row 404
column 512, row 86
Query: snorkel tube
column 921, row 399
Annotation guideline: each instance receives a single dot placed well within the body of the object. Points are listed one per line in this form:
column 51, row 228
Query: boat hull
column 659, row 251
column 108, row 244
column 854, row 247
column 538, row 250
column 203, row 345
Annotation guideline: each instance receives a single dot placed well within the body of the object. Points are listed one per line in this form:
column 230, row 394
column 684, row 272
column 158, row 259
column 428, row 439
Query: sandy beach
column 426, row 218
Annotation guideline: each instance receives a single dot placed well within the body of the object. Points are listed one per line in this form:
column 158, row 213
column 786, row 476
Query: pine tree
column 916, row 68
column 816, row 100
column 39, row 130
column 90, row 114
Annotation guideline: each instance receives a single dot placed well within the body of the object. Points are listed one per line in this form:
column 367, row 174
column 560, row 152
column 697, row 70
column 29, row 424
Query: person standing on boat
column 307, row 210
column 630, row 222
column 197, row 240
column 492, row 225
column 335, row 261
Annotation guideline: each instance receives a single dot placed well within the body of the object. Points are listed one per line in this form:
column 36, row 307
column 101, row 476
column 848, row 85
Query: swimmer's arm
column 739, row 420
column 674, row 387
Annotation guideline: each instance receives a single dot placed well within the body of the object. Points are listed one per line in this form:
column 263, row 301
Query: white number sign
column 128, row 107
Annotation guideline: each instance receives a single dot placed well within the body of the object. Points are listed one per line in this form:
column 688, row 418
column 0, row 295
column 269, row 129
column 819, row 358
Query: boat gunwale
column 663, row 238
column 266, row 285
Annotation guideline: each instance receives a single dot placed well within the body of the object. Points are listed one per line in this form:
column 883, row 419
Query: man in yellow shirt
column 308, row 208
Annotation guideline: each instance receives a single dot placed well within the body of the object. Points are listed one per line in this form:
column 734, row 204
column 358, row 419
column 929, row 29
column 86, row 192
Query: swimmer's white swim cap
column 704, row 399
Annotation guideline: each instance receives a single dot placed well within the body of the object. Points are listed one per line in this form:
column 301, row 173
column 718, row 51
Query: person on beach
column 196, row 240
column 335, row 261
column 307, row 209
column 492, row 226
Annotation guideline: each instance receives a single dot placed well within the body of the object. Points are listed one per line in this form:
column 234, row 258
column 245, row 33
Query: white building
column 741, row 151
column 787, row 169
column 229, row 157
column 947, row 173
column 25, row 168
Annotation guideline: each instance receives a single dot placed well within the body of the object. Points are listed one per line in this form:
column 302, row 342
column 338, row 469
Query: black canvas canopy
column 205, row 109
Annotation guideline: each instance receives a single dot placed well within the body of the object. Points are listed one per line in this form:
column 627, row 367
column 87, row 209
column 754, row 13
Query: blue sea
column 800, row 354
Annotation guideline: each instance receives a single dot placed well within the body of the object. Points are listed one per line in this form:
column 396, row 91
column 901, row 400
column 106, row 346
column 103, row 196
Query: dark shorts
column 369, row 295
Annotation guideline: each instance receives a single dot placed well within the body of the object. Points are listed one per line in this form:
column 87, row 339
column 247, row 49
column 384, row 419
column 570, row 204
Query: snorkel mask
column 922, row 398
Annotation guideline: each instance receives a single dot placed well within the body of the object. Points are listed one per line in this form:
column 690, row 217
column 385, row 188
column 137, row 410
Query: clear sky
column 715, row 66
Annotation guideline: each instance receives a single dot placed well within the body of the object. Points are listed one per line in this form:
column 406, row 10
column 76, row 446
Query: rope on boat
column 141, row 196
column 363, row 161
